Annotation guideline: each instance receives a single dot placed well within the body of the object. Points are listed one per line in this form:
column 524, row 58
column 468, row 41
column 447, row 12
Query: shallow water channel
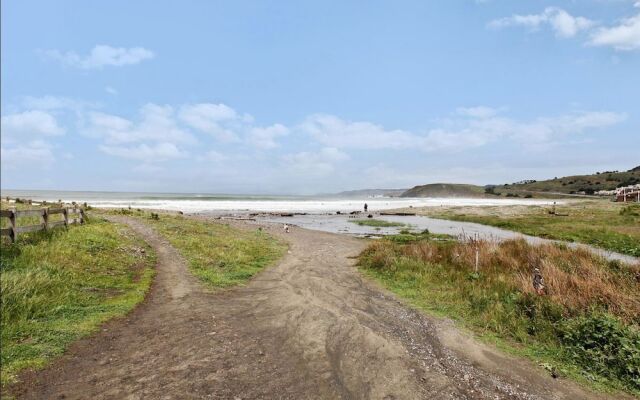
column 344, row 224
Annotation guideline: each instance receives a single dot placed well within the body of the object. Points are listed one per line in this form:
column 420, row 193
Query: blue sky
column 307, row 97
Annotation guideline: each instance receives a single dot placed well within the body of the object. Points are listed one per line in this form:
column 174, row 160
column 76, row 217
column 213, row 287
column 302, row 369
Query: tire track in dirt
column 307, row 328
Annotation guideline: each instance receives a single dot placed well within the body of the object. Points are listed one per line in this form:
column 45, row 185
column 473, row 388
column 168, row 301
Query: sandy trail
column 307, row 328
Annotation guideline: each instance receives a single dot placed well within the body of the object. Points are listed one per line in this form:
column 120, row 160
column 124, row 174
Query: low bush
column 604, row 346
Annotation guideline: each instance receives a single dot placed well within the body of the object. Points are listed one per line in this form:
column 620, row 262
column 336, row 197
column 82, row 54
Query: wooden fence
column 71, row 216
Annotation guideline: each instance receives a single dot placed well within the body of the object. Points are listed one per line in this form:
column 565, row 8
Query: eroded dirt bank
column 307, row 328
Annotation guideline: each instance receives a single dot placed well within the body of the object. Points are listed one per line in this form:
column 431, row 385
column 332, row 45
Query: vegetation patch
column 218, row 254
column 584, row 325
column 60, row 285
column 611, row 226
column 377, row 223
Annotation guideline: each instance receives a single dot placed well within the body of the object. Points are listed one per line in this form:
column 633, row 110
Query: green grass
column 377, row 223
column 218, row 254
column 611, row 226
column 585, row 326
column 59, row 286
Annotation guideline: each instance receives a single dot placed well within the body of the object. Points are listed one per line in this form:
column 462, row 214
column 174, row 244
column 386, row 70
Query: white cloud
column 624, row 37
column 333, row 131
column 157, row 123
column 265, row 138
column 564, row 24
column 161, row 124
column 30, row 124
column 540, row 132
column 318, row 163
column 478, row 127
column 217, row 120
column 101, row 56
column 144, row 152
column 227, row 125
column 110, row 90
column 36, row 152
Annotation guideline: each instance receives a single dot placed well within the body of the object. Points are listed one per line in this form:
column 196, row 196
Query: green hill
column 607, row 180
column 445, row 190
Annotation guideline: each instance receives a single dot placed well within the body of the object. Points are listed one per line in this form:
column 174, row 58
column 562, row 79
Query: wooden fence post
column 14, row 226
column 82, row 217
column 65, row 213
column 45, row 218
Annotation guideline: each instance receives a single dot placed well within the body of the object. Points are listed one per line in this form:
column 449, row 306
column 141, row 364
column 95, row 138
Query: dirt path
column 308, row 328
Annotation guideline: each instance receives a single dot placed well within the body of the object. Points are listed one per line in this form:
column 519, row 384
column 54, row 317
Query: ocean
column 228, row 203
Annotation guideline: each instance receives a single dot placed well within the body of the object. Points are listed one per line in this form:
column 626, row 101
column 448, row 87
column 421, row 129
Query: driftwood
column 403, row 214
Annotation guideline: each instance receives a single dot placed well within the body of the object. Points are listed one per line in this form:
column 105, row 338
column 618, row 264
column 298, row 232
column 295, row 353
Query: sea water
column 223, row 203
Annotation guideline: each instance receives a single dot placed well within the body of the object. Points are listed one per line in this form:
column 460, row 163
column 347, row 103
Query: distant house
column 606, row 193
column 628, row 193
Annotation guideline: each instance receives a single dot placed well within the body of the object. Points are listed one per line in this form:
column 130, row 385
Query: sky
column 290, row 97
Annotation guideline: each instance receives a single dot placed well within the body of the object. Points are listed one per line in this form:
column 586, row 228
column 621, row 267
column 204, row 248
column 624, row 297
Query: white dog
column 286, row 228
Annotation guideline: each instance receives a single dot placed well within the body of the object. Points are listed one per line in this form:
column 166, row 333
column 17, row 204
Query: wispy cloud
column 478, row 126
column 625, row 36
column 336, row 132
column 156, row 123
column 147, row 153
column 29, row 124
column 217, row 120
column 36, row 152
column 101, row 56
column 564, row 24
column 266, row 137
column 316, row 163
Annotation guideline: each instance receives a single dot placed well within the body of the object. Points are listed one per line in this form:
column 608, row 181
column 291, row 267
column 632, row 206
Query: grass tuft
column 377, row 223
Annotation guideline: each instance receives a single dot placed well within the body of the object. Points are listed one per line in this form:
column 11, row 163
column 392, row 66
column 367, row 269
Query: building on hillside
column 628, row 193
column 606, row 193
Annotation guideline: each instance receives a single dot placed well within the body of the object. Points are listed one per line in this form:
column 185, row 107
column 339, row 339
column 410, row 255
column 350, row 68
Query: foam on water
column 189, row 203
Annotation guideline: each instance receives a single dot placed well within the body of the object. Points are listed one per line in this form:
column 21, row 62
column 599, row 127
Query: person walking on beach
column 366, row 207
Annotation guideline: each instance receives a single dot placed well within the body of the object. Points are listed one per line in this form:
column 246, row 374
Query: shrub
column 602, row 345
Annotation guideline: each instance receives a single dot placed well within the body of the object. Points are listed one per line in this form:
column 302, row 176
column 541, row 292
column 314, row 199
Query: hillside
column 588, row 184
column 445, row 190
column 371, row 192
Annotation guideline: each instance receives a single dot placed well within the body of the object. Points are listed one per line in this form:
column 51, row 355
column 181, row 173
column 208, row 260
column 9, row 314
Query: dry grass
column 586, row 324
column 575, row 279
